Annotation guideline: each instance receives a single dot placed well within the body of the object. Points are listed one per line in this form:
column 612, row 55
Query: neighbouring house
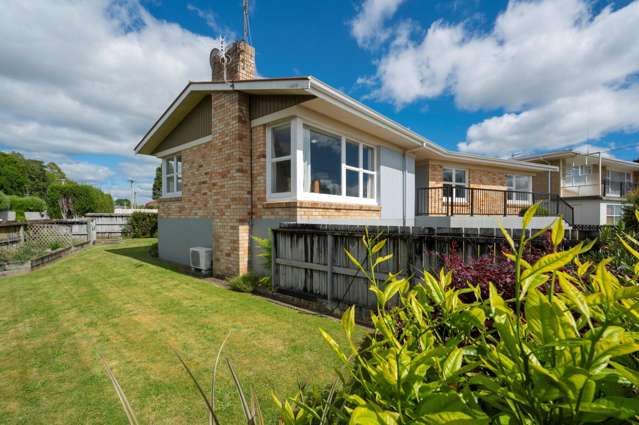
column 240, row 155
column 596, row 186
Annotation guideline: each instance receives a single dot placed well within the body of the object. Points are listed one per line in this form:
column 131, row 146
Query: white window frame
column 298, row 191
column 581, row 171
column 616, row 218
column 177, row 175
column 270, row 161
column 456, row 199
column 627, row 180
column 359, row 170
column 512, row 190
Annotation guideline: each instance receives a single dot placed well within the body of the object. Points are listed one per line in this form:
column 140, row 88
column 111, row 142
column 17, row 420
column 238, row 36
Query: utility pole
column 131, row 182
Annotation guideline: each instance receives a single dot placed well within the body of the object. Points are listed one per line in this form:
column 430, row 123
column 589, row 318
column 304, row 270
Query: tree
column 22, row 177
column 122, row 202
column 157, row 184
column 75, row 200
column 55, row 175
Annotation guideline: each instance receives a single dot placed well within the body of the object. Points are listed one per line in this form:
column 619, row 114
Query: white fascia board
column 620, row 163
column 331, row 95
column 506, row 163
column 183, row 146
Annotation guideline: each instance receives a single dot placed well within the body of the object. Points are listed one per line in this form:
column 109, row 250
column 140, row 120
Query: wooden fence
column 309, row 261
column 110, row 226
column 45, row 232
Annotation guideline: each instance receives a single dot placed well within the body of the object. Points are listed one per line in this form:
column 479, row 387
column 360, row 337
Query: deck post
column 505, row 203
column 472, row 201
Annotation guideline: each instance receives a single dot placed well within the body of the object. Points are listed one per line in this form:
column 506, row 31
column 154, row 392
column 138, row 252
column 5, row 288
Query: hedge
column 143, row 225
column 79, row 199
column 22, row 204
column 5, row 202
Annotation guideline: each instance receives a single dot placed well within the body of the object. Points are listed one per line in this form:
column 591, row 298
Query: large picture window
column 172, row 176
column 322, row 162
column 519, row 188
column 311, row 163
column 280, row 158
column 455, row 183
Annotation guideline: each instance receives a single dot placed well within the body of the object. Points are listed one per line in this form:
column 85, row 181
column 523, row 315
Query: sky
column 82, row 81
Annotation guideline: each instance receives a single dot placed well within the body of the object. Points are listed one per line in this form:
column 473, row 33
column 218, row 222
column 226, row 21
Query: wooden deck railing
column 462, row 200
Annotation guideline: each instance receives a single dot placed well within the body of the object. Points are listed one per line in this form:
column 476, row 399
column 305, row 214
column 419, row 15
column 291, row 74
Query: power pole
column 131, row 182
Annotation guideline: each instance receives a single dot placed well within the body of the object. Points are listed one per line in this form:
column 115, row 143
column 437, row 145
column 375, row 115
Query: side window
column 280, row 155
column 172, row 176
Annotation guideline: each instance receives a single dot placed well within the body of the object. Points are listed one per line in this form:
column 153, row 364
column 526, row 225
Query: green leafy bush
column 76, row 200
column 143, row 225
column 562, row 350
column 22, row 204
column 244, row 283
column 629, row 220
column 266, row 251
column 5, row 202
column 541, row 212
column 53, row 245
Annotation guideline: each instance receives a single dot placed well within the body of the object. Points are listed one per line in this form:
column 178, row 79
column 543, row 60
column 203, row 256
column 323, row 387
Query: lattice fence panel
column 44, row 234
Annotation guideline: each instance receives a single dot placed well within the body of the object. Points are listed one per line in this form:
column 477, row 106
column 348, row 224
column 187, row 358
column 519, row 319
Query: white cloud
column 563, row 122
column 212, row 21
column 368, row 26
column 85, row 172
column 90, row 77
column 546, row 63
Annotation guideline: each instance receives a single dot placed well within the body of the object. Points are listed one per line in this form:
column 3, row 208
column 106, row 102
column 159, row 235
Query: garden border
column 9, row 269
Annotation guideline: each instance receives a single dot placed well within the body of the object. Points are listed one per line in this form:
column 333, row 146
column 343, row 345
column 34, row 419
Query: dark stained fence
column 310, row 261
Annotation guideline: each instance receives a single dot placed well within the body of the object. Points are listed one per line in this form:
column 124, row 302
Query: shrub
column 76, row 200
column 143, row 225
column 22, row 204
column 53, row 245
column 21, row 253
column 266, row 251
column 629, row 220
column 541, row 212
column 244, row 283
column 5, row 202
column 562, row 350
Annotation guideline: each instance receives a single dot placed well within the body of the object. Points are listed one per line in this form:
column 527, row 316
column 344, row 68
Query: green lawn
column 116, row 302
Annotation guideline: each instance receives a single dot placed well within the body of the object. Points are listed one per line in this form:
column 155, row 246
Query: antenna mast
column 245, row 7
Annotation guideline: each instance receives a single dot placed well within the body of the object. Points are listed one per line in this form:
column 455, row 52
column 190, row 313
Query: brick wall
column 487, row 202
column 229, row 183
column 241, row 65
column 216, row 183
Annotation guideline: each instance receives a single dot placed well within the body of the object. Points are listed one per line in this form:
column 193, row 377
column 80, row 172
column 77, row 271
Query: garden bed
column 10, row 268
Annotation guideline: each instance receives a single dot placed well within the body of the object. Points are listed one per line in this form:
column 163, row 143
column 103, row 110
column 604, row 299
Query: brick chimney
column 240, row 64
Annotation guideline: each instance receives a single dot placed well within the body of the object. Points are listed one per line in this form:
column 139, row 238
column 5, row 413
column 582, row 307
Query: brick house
column 242, row 155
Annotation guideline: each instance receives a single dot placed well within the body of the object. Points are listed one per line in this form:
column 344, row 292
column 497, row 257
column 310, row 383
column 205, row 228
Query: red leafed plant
column 486, row 269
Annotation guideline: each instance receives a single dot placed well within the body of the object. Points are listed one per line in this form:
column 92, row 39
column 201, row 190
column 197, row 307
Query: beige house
column 242, row 155
column 594, row 185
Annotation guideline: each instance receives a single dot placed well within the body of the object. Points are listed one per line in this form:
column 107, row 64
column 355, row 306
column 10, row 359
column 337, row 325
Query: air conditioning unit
column 201, row 259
